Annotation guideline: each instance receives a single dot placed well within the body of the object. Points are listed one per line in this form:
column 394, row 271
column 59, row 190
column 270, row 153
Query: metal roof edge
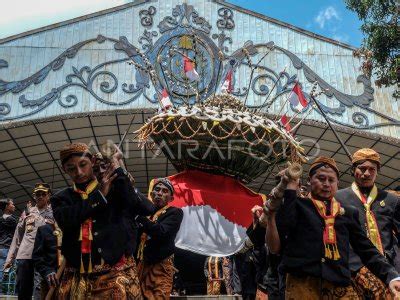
column 124, row 111
column 74, row 20
column 309, row 122
column 140, row 2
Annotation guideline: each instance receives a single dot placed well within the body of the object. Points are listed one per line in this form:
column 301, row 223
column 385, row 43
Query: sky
column 329, row 18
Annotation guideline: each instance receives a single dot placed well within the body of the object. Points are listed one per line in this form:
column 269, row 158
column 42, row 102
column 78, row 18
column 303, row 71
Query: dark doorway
column 191, row 273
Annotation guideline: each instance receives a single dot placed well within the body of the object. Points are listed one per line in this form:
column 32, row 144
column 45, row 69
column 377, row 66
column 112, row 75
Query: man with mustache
column 28, row 281
column 314, row 238
column 157, row 246
column 379, row 215
column 95, row 218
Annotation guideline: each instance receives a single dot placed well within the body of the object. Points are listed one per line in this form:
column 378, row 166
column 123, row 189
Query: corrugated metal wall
column 26, row 55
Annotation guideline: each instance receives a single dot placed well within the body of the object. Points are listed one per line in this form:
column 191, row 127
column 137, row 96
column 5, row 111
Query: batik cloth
column 118, row 282
column 312, row 288
column 156, row 280
column 367, row 285
column 214, row 287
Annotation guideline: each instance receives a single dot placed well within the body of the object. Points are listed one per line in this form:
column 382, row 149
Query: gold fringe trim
column 82, row 269
column 80, row 234
column 332, row 252
column 90, row 234
column 90, row 266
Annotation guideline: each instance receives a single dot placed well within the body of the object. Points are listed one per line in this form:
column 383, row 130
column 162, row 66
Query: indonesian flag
column 216, row 212
column 285, row 123
column 227, row 85
column 297, row 99
column 190, row 71
column 165, row 100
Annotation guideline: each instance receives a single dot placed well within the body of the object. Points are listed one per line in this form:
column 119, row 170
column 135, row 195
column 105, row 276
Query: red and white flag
column 216, row 212
column 165, row 100
column 297, row 99
column 227, row 86
column 190, row 71
column 285, row 123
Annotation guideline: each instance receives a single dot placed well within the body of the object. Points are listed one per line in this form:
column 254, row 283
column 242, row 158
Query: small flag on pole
column 285, row 123
column 227, row 86
column 297, row 99
column 190, row 71
column 165, row 100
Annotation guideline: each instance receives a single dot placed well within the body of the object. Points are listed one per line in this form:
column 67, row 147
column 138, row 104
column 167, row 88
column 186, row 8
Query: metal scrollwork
column 281, row 83
column 239, row 55
column 147, row 16
column 108, row 85
column 105, row 85
column 147, row 39
column 284, row 83
column 361, row 101
column 360, row 119
column 5, row 108
column 125, row 46
column 348, row 100
column 86, row 78
column 184, row 15
column 339, row 110
column 222, row 38
column 227, row 21
column 38, row 77
column 69, row 101
column 167, row 57
column 276, row 79
column 186, row 33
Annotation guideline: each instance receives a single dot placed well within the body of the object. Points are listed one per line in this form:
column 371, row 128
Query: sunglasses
column 40, row 194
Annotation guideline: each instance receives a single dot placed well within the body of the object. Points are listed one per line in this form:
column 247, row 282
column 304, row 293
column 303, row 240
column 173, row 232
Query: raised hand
column 256, row 212
column 117, row 153
column 108, row 177
column 394, row 286
column 52, row 279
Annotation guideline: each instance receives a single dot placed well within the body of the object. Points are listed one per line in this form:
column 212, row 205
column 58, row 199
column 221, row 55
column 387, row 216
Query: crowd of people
column 102, row 239
column 99, row 239
column 321, row 242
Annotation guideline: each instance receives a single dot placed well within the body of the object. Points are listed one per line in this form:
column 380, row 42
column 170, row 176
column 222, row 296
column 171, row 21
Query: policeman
column 24, row 239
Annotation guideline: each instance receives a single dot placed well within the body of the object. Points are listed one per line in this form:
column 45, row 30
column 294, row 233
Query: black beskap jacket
column 113, row 231
column 301, row 229
column 44, row 253
column 7, row 229
column 161, row 235
column 386, row 209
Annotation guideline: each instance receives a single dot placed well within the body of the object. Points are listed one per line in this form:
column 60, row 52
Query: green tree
column 380, row 48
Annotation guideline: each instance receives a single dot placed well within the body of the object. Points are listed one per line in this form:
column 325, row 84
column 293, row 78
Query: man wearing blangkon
column 157, row 246
column 314, row 238
column 95, row 220
column 379, row 214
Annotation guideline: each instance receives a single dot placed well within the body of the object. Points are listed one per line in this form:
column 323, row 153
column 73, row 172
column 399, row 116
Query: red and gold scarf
column 329, row 235
column 372, row 225
column 85, row 235
column 143, row 238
